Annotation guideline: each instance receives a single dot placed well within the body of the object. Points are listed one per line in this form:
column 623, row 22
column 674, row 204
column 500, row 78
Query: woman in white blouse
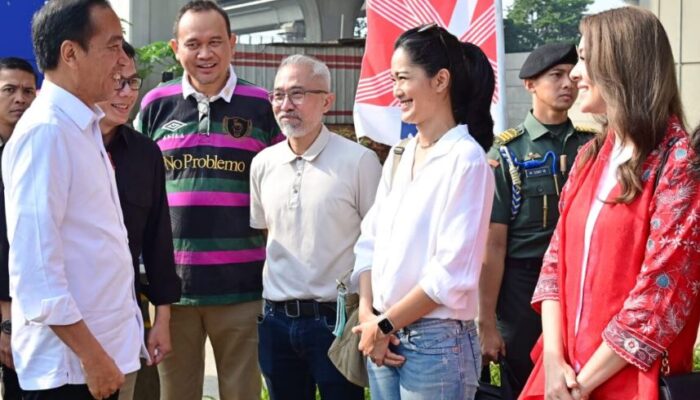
column 419, row 255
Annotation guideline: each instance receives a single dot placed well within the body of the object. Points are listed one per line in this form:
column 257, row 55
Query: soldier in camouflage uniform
column 531, row 164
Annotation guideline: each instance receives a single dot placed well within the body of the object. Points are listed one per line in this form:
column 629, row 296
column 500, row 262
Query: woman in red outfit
column 619, row 283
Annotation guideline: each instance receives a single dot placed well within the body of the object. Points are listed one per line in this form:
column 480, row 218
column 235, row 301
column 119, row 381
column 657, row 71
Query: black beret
column 545, row 57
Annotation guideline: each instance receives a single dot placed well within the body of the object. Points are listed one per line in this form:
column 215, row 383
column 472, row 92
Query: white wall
column 680, row 18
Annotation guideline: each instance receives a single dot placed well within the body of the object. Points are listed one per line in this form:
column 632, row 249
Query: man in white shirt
column 310, row 193
column 77, row 326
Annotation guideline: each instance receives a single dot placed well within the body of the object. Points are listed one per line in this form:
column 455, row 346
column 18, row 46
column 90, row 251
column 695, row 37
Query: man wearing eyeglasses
column 140, row 175
column 209, row 125
column 310, row 194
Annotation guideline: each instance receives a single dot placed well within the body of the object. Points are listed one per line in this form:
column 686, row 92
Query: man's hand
column 102, row 376
column 158, row 343
column 6, row 351
column 492, row 345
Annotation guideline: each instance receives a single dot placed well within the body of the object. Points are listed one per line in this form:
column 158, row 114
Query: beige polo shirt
column 312, row 206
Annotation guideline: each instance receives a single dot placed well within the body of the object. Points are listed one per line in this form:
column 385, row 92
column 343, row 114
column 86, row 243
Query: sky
column 597, row 6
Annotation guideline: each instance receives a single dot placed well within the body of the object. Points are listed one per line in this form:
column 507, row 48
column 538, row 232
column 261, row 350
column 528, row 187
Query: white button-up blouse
column 430, row 230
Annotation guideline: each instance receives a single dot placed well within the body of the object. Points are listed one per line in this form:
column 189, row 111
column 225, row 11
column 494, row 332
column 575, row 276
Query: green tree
column 157, row 57
column 531, row 23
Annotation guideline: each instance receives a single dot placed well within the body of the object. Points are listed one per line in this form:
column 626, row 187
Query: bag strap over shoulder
column 398, row 152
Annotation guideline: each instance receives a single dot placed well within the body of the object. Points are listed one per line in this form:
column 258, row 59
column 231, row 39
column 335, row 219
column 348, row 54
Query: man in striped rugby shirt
column 209, row 124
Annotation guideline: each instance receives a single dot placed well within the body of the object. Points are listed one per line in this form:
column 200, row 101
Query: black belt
column 303, row 308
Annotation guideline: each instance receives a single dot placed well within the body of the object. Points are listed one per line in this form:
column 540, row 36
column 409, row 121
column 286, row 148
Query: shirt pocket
column 534, row 191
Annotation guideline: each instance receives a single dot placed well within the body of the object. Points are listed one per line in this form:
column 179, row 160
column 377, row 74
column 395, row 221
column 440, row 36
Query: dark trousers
column 72, row 392
column 10, row 384
column 293, row 353
column 519, row 324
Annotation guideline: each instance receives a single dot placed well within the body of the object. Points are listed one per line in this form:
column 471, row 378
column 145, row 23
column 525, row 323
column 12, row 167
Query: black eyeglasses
column 296, row 96
column 134, row 83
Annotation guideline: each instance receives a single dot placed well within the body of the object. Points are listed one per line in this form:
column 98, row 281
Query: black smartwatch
column 6, row 327
column 385, row 325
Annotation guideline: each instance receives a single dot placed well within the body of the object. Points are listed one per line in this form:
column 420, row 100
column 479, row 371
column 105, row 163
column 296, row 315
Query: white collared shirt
column 69, row 256
column 430, row 230
column 312, row 206
column 226, row 92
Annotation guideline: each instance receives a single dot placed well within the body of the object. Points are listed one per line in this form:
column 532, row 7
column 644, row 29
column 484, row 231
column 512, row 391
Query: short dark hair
column 199, row 6
column 58, row 21
column 129, row 50
column 472, row 79
column 17, row 63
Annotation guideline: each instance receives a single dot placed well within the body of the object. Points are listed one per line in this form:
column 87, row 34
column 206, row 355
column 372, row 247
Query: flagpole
column 501, row 120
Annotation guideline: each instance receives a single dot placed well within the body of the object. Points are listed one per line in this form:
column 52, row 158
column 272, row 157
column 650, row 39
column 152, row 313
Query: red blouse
column 640, row 289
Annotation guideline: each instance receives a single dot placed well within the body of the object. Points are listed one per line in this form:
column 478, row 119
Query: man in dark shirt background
column 17, row 91
column 140, row 174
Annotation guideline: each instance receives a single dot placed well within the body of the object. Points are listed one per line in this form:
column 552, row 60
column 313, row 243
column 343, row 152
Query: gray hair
column 318, row 68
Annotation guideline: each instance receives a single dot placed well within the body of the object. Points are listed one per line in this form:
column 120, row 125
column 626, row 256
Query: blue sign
column 16, row 28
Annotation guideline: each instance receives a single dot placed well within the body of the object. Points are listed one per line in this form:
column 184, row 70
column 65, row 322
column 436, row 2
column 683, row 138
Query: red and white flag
column 480, row 22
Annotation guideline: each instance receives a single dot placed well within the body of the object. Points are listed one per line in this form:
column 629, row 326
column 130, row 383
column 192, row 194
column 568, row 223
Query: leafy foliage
column 532, row 23
column 157, row 57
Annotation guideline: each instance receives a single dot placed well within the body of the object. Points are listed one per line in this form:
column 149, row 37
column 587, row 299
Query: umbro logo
column 173, row 125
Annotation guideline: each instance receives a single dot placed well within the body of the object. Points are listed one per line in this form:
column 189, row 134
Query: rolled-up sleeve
column 37, row 175
column 453, row 271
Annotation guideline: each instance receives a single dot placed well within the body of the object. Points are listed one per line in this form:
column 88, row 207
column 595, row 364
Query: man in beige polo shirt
column 310, row 193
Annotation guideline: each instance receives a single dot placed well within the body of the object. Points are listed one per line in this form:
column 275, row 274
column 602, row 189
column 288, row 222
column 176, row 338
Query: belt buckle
column 296, row 306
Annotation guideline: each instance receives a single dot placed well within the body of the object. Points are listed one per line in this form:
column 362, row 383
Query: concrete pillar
column 323, row 18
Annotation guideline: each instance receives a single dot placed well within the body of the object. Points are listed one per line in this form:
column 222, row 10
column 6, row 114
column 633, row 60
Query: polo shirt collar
column 70, row 105
column 312, row 152
column 226, row 92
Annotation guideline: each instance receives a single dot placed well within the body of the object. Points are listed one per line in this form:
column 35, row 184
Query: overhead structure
column 309, row 21
column 306, row 20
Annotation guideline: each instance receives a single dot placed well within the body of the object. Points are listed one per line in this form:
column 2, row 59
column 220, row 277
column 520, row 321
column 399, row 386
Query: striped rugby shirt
column 217, row 255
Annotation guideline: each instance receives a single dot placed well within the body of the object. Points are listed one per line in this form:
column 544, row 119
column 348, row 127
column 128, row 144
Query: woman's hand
column 560, row 379
column 578, row 394
column 375, row 345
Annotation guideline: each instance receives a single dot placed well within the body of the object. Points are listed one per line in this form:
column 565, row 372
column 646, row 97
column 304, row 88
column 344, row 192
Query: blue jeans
column 293, row 354
column 442, row 363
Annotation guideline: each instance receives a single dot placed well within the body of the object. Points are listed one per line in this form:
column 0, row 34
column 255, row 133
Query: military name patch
column 539, row 171
column 238, row 127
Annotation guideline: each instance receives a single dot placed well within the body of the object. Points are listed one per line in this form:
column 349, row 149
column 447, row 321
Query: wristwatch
column 385, row 325
column 6, row 327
